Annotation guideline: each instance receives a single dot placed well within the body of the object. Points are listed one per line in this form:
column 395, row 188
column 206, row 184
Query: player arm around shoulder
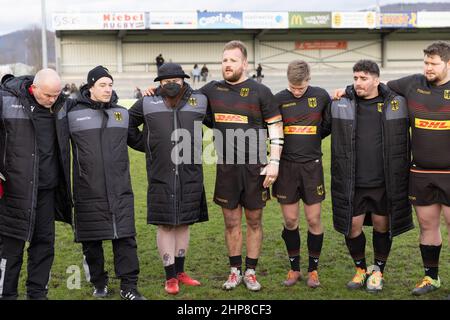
column 136, row 118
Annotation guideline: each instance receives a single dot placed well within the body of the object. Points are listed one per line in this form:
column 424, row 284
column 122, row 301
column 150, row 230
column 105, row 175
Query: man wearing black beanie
column 104, row 204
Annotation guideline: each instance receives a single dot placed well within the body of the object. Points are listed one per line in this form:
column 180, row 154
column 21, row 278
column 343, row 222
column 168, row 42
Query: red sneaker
column 171, row 286
column 186, row 280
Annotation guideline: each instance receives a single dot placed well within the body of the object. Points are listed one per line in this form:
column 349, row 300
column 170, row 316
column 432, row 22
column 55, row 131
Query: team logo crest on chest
column 395, row 105
column 312, row 102
column 118, row 116
column 244, row 92
column 192, row 102
column 380, row 106
column 447, row 94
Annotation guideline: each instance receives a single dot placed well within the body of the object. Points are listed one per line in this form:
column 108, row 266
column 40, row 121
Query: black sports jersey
column 301, row 122
column 239, row 113
column 369, row 145
column 429, row 113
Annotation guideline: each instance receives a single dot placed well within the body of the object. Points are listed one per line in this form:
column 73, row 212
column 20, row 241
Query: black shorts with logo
column 427, row 187
column 370, row 200
column 240, row 184
column 299, row 181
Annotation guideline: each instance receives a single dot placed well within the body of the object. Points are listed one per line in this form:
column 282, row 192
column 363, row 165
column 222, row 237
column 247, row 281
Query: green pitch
column 207, row 258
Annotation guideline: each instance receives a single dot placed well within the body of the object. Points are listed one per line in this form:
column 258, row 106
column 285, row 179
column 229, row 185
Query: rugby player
column 240, row 110
column 428, row 98
column 301, row 171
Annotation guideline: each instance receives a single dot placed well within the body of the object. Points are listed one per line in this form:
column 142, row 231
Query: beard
column 234, row 77
column 436, row 78
column 361, row 93
column 432, row 78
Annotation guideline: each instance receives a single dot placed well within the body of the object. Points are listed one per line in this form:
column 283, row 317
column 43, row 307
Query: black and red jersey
column 429, row 113
column 239, row 113
column 301, row 123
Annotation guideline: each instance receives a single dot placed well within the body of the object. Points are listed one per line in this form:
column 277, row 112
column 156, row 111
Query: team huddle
column 62, row 155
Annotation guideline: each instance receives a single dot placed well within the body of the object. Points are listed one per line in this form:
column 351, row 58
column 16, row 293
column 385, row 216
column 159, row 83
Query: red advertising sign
column 124, row 20
column 321, row 45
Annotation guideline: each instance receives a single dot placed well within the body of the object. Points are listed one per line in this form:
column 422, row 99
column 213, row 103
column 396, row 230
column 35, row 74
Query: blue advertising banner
column 219, row 20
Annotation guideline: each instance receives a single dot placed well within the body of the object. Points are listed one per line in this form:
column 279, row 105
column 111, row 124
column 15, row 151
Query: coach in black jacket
column 370, row 160
column 35, row 191
column 172, row 139
column 103, row 198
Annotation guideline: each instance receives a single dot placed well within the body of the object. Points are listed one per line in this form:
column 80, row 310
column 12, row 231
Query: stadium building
column 128, row 42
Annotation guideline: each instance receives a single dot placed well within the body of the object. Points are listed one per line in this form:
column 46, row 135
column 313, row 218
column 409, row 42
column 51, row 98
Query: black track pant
column 126, row 263
column 40, row 253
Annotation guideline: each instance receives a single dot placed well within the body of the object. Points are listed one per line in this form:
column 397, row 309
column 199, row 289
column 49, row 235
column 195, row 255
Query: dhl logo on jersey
column 230, row 118
column 300, row 130
column 290, row 104
column 432, row 124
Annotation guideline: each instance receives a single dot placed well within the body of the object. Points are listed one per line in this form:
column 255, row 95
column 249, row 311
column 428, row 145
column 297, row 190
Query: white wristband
column 275, row 162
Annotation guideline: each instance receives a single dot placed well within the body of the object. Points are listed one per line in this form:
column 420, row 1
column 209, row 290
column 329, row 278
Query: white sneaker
column 234, row 279
column 250, row 280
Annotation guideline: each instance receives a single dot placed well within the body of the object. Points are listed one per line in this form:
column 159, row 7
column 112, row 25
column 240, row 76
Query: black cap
column 170, row 70
column 97, row 73
column 6, row 77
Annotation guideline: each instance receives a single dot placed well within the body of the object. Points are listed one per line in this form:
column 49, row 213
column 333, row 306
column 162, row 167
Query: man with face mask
column 172, row 141
column 242, row 112
column 35, row 189
column 104, row 203
column 428, row 97
column 369, row 170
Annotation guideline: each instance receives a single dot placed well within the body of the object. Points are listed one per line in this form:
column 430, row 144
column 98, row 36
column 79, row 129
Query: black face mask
column 171, row 89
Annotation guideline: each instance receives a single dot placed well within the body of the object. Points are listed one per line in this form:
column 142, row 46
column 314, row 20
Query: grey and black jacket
column 20, row 162
column 340, row 122
column 176, row 193
column 102, row 193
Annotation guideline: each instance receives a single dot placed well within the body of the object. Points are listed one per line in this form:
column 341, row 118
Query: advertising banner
column 173, row 20
column 428, row 19
column 265, row 20
column 219, row 20
column 321, row 45
column 309, row 20
column 363, row 20
column 398, row 20
column 77, row 21
column 123, row 20
column 99, row 21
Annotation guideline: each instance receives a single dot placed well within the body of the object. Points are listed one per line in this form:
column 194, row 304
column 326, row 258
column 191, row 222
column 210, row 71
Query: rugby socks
column 236, row 262
column 430, row 258
column 357, row 249
column 381, row 248
column 314, row 248
column 179, row 264
column 170, row 271
column 292, row 240
column 250, row 263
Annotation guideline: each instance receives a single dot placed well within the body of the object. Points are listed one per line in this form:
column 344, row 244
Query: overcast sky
column 18, row 14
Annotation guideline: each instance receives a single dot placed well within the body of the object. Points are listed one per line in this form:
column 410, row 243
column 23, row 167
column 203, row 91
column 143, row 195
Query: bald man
column 35, row 171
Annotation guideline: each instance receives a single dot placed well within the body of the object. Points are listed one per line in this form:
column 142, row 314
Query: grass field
column 207, row 256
